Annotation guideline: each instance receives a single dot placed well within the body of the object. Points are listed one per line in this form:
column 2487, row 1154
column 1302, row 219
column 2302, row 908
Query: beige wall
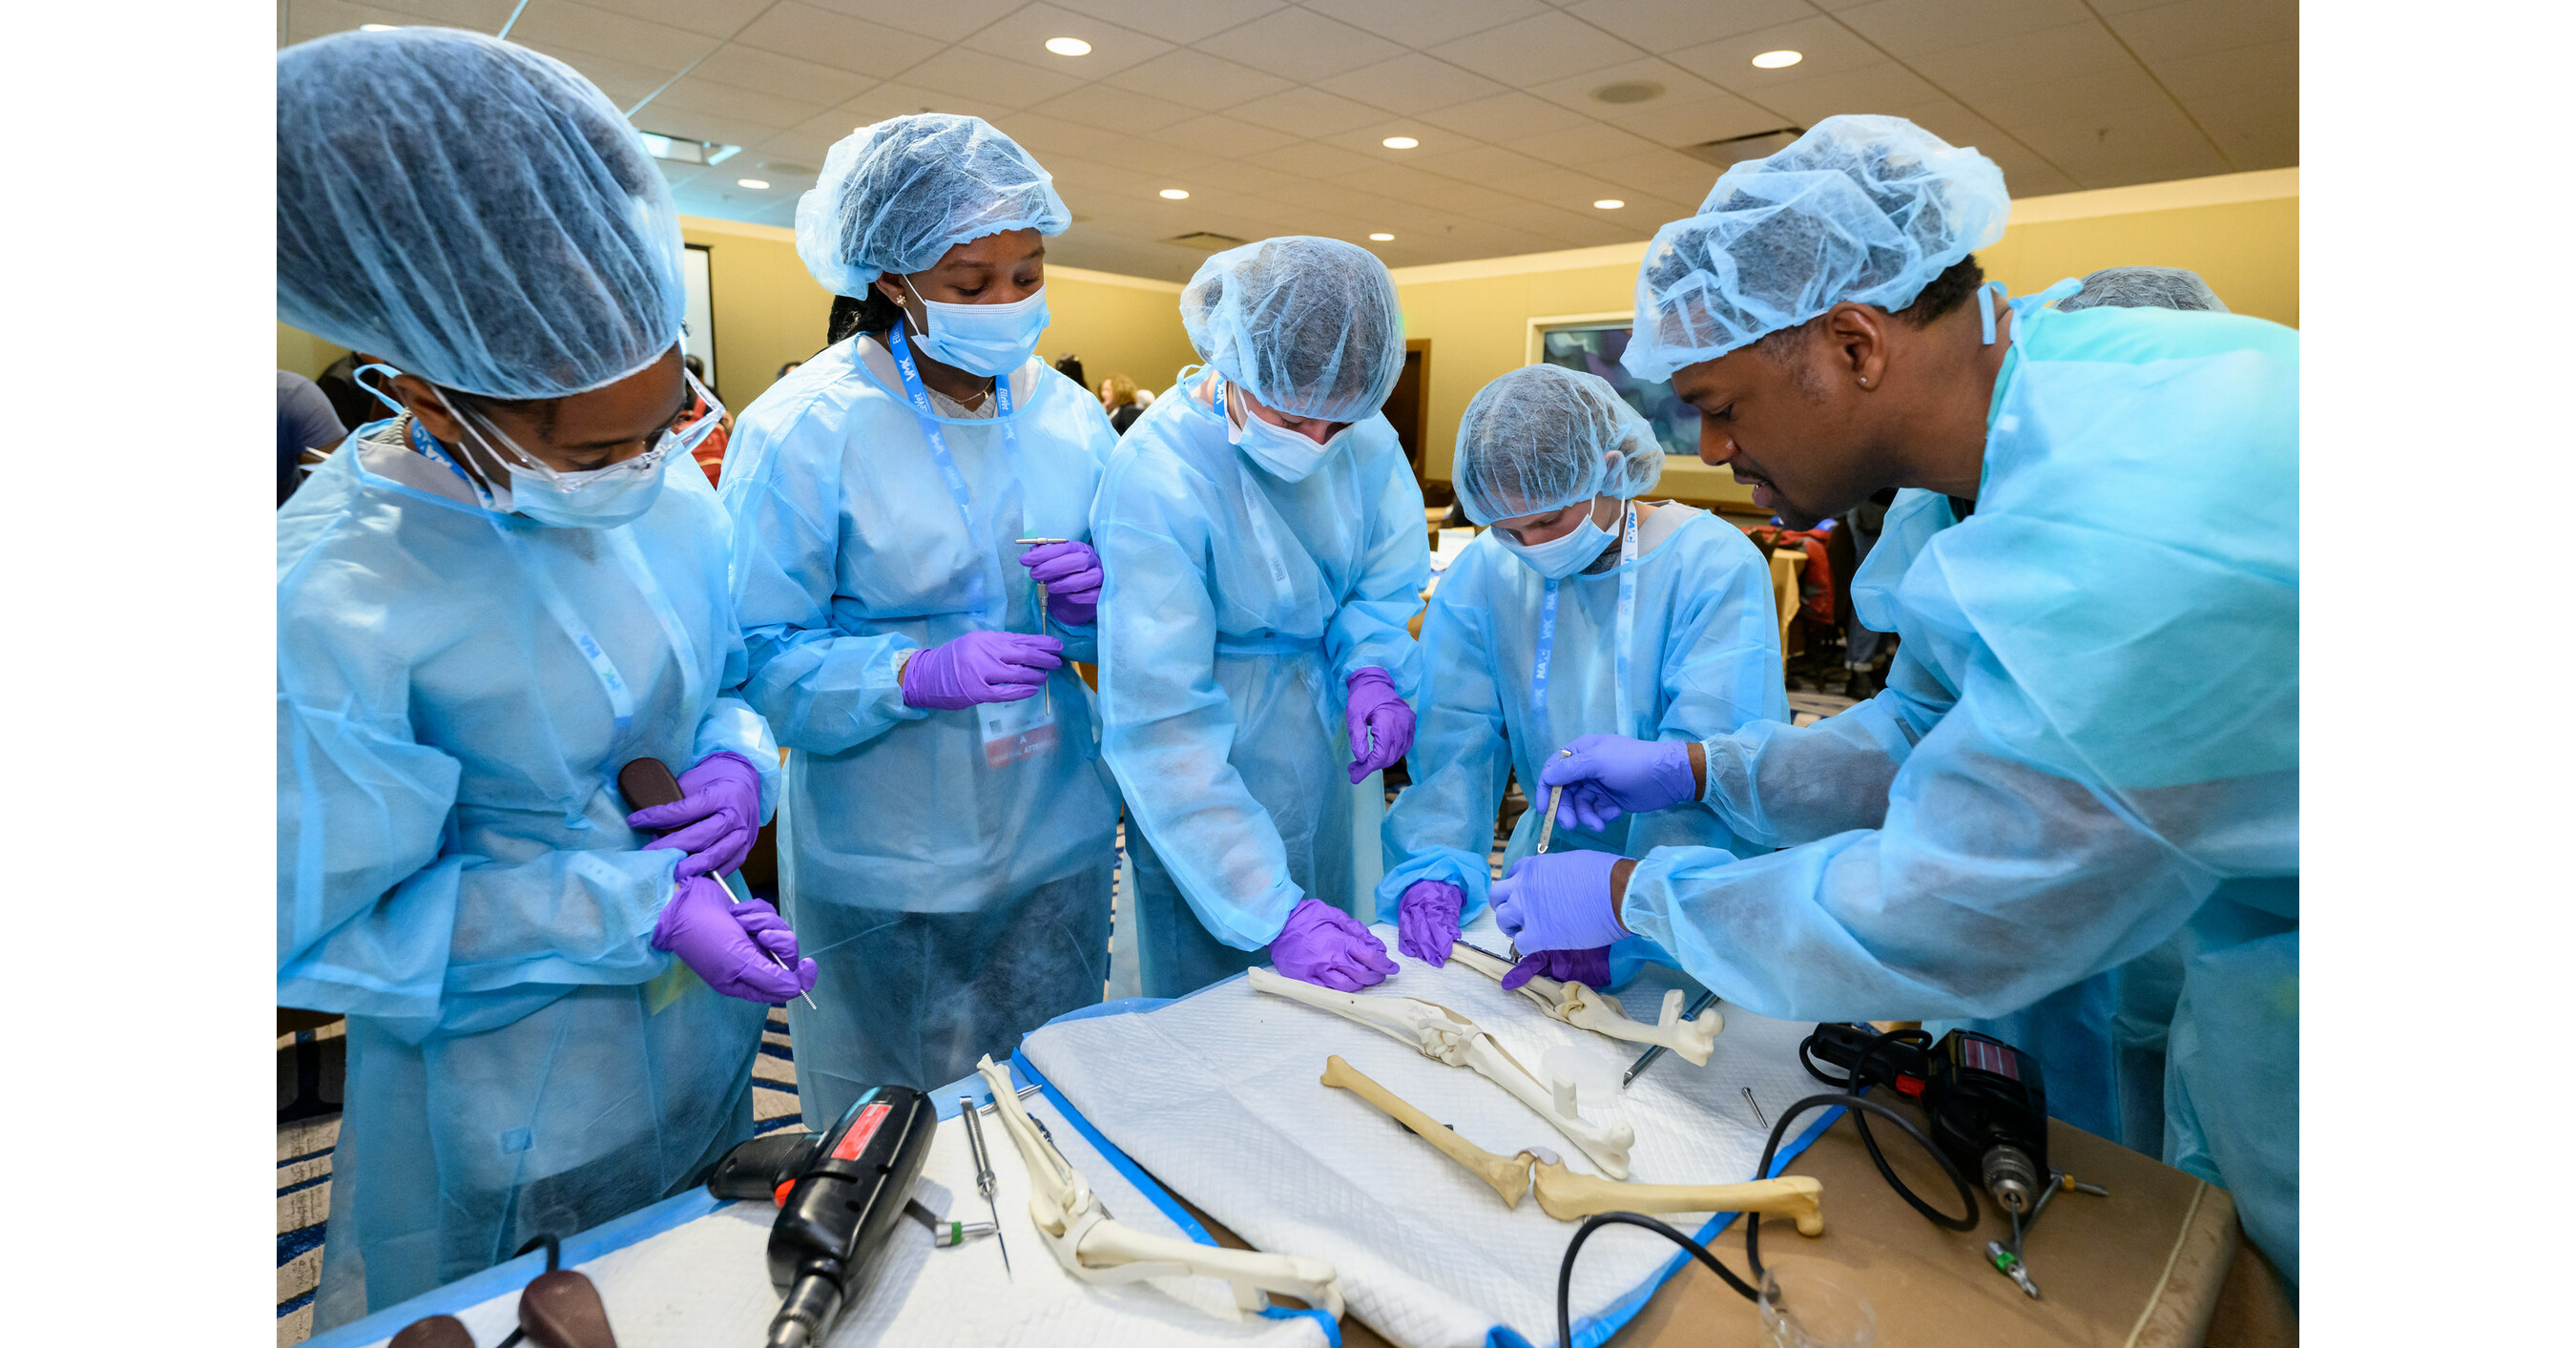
column 2240, row 231
column 768, row 310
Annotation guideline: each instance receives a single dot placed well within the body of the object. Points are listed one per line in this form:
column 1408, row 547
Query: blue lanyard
column 429, row 447
column 919, row 397
column 1626, row 634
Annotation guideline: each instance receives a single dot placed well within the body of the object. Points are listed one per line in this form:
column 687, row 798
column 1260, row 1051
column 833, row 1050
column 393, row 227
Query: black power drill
column 1985, row 1099
column 838, row 1194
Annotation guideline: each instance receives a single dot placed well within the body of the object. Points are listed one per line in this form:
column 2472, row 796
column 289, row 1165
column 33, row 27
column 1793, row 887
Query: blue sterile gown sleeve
column 949, row 871
column 1237, row 604
column 455, row 872
column 2119, row 770
column 1701, row 652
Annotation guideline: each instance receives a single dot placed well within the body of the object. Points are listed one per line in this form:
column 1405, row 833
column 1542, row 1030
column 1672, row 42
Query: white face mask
column 987, row 339
column 1565, row 554
column 1288, row 455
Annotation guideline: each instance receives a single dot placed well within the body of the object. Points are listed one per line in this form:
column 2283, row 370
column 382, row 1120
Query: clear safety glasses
column 698, row 420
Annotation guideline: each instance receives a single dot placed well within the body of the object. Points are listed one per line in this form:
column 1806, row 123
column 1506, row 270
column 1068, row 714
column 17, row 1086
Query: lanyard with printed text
column 901, row 350
column 1625, row 638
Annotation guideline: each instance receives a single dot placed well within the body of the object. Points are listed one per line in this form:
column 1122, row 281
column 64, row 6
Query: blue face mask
column 597, row 498
column 987, row 339
column 1565, row 554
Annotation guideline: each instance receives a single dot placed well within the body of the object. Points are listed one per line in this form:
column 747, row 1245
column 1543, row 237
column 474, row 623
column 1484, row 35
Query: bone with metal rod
column 1587, row 1009
column 1567, row 1195
column 1093, row 1247
column 1647, row 1058
column 1443, row 1035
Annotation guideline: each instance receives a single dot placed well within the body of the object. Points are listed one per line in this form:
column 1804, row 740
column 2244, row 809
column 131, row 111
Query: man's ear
column 1856, row 345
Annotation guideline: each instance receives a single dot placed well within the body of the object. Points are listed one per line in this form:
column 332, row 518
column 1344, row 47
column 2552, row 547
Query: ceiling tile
column 1426, row 23
column 2259, row 130
column 2079, row 101
column 1023, row 37
column 1427, row 190
column 484, row 16
column 1486, row 164
column 1411, row 83
column 1669, row 174
column 1210, row 83
column 1576, row 145
column 1550, row 46
column 751, row 68
column 2266, row 68
column 1115, row 110
column 2136, row 145
column 1046, row 136
column 1300, row 44
column 1828, row 47
column 1187, row 21
column 894, row 98
column 812, row 34
column 724, row 100
column 1868, row 89
column 1903, row 27
column 2026, row 174
column 624, row 82
column 1220, row 135
column 2047, row 53
column 1307, row 111
column 715, row 18
column 1371, row 140
column 1575, row 91
column 2196, row 26
column 562, row 24
column 1695, row 122
column 1504, row 117
column 948, row 20
column 1314, row 160
column 706, row 126
column 992, row 79
column 1662, row 25
column 810, row 139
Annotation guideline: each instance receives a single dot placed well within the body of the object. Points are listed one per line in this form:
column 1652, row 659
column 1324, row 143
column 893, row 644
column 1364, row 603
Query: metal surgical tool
column 1705, row 1001
column 1547, row 826
column 1049, row 694
column 984, row 1174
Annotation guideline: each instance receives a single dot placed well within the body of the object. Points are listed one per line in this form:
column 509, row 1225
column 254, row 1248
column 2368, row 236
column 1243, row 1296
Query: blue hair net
column 1308, row 326
column 896, row 196
column 474, row 212
column 2145, row 288
column 1543, row 436
column 1866, row 209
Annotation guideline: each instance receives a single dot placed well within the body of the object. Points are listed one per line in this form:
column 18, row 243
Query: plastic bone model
column 1442, row 1035
column 1568, row 1196
column 1096, row 1249
column 1599, row 1012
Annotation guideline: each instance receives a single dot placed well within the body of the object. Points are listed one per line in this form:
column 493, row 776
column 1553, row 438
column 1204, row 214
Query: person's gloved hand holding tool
column 980, row 667
column 1591, row 968
column 729, row 943
column 1605, row 776
column 1381, row 723
column 1325, row 946
column 1426, row 920
column 715, row 820
column 1071, row 574
column 1560, row 901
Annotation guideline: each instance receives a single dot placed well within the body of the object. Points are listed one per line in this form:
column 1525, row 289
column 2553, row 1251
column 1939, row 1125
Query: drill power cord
column 1860, row 1110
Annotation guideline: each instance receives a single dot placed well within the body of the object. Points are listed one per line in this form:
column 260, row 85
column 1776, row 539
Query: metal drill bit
column 2010, row 1265
column 1658, row 1050
column 1757, row 1107
column 774, row 956
column 1547, row 826
column 944, row 1233
column 1049, row 686
column 2081, row 1187
column 984, row 1176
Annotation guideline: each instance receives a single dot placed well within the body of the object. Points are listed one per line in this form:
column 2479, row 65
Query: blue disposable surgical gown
column 1704, row 659
column 1237, row 605
column 455, row 872
column 949, row 871
column 2088, row 749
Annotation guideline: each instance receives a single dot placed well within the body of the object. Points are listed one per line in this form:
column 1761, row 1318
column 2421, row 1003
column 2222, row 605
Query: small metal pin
column 1547, row 826
column 1048, row 695
column 1757, row 1107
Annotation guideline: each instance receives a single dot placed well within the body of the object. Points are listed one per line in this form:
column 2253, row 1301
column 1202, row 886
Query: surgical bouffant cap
column 2145, row 288
column 1308, row 326
column 896, row 196
column 1864, row 209
column 1543, row 436
column 474, row 212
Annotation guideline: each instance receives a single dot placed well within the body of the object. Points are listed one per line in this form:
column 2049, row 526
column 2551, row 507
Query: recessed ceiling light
column 1174, row 194
column 1608, row 204
column 1773, row 60
column 1399, row 142
column 1628, row 91
column 754, row 184
column 375, row 28
column 1382, row 238
column 1068, row 46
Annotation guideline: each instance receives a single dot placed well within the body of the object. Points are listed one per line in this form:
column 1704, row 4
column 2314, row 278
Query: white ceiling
column 1270, row 113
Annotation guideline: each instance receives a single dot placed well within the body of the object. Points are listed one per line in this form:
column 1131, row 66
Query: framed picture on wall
column 1593, row 344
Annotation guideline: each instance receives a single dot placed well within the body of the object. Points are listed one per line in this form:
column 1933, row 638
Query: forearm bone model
column 1096, row 1249
column 1568, row 1196
column 1588, row 1009
column 1442, row 1035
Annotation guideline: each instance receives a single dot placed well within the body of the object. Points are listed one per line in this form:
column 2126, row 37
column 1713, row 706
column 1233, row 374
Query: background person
column 1263, row 537
column 1118, row 397
column 304, row 421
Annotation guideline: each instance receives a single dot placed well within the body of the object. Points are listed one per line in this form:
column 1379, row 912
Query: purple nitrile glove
column 1071, row 574
column 1560, row 901
column 715, row 819
column 1591, row 968
column 1325, row 946
column 1381, row 724
column 729, row 944
column 980, row 667
column 1608, row 775
column 1426, row 920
